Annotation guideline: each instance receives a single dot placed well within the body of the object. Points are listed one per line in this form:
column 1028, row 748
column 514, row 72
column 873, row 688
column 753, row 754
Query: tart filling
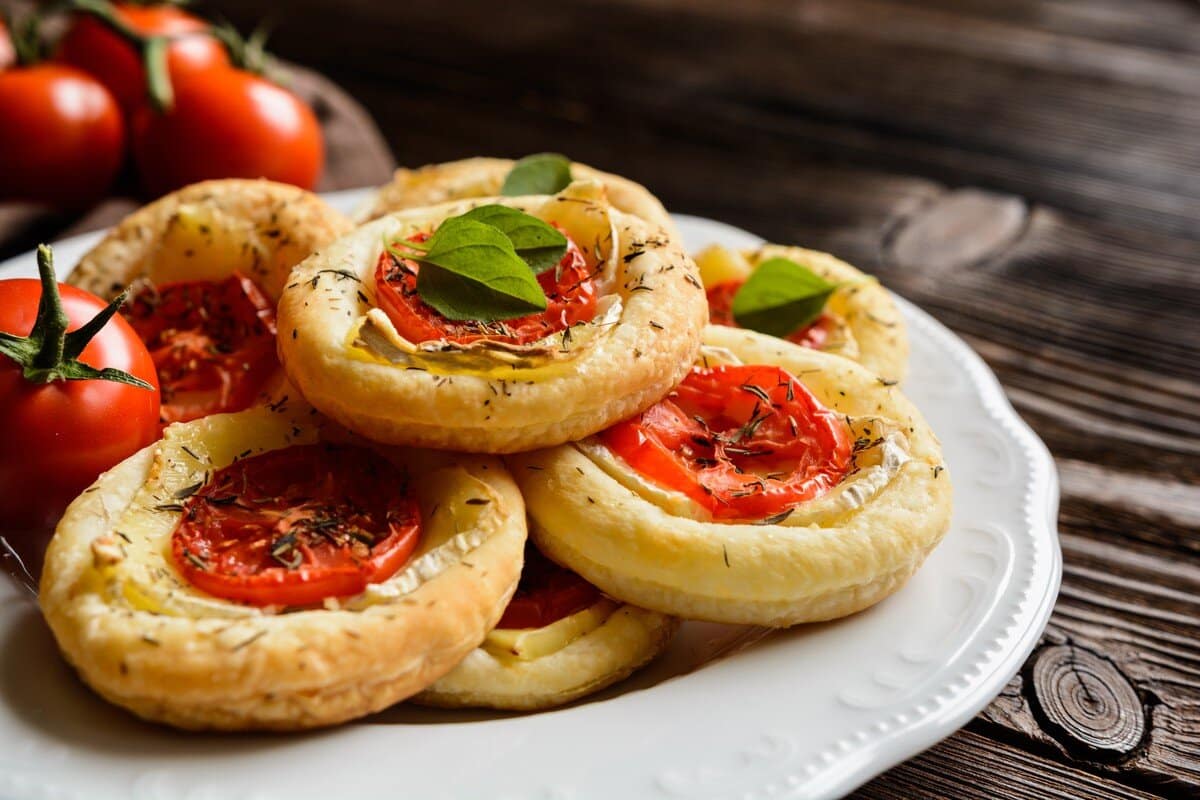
column 559, row 639
column 551, row 608
column 526, row 644
column 253, row 514
column 828, row 330
column 204, row 267
column 584, row 302
column 213, row 343
column 808, row 298
column 297, row 525
column 736, row 443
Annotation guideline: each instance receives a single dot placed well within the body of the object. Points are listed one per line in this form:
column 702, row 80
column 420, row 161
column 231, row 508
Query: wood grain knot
column 958, row 229
column 1086, row 703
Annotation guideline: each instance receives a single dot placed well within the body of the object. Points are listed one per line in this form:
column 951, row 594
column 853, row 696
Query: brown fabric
column 356, row 154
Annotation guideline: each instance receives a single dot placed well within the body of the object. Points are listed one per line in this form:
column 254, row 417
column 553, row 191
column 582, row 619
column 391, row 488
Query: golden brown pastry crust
column 629, row 639
column 262, row 227
column 482, row 177
column 199, row 662
column 625, row 367
column 875, row 332
column 813, row 566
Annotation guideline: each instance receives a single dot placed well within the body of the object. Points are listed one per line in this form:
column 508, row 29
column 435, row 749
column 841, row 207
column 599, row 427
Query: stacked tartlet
column 507, row 365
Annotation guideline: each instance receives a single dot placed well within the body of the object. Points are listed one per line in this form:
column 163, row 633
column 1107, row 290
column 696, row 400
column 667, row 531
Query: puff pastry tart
column 205, row 266
column 559, row 639
column 776, row 485
column 809, row 298
column 623, row 316
column 486, row 177
column 167, row 582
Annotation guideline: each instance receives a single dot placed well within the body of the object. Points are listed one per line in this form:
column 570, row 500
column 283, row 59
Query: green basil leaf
column 540, row 244
column 543, row 173
column 780, row 297
column 471, row 271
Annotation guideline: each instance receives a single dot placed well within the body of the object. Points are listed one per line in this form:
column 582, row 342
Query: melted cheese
column 526, row 644
column 374, row 338
column 201, row 242
column 720, row 265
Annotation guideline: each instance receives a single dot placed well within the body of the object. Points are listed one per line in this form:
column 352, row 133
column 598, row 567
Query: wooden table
column 1029, row 172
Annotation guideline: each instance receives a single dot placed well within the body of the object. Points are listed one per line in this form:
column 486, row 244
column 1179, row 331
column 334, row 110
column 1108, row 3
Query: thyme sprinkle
column 188, row 491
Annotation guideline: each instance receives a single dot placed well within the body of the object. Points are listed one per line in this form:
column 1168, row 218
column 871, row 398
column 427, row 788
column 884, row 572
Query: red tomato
column 720, row 312
column 744, row 442
column 295, row 526
column 227, row 123
column 570, row 290
column 62, row 139
column 213, row 343
column 55, row 438
column 90, row 45
column 546, row 593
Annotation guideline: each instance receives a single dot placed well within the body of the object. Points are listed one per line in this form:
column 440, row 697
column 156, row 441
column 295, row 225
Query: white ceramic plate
column 729, row 712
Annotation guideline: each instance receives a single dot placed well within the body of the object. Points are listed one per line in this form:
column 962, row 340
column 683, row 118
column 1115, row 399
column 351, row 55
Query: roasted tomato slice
column 546, row 593
column 745, row 442
column 720, row 312
column 571, row 295
column 295, row 526
column 213, row 343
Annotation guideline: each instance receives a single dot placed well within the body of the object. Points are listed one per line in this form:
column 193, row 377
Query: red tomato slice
column 213, row 343
column 570, row 289
column 720, row 312
column 745, row 442
column 295, row 526
column 546, row 594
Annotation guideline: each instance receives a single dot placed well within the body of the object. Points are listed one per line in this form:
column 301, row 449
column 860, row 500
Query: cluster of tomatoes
column 151, row 80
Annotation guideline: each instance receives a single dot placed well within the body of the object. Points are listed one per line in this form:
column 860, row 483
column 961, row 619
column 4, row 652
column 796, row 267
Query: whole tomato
column 59, row 429
column 93, row 47
column 62, row 138
column 227, row 123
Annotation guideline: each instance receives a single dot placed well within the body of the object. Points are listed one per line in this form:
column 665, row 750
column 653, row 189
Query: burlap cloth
column 356, row 154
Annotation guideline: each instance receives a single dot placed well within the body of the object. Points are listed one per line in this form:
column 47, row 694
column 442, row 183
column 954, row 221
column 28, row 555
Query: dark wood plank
column 1095, row 119
column 1126, row 624
column 992, row 769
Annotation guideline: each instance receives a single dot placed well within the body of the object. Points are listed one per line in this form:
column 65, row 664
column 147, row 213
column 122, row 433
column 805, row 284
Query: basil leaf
column 540, row 244
column 780, row 297
column 471, row 271
column 543, row 173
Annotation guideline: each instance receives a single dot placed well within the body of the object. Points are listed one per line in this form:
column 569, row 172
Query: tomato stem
column 25, row 36
column 246, row 53
column 158, row 78
column 153, row 49
column 49, row 353
column 51, row 323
